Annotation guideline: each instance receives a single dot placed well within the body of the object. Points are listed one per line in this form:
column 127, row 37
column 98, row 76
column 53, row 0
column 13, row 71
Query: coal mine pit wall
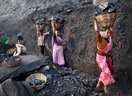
column 79, row 35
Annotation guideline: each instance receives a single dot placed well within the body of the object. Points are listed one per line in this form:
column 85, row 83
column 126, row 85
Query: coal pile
column 2, row 57
column 12, row 59
column 41, row 22
column 57, row 19
column 65, row 71
column 105, row 8
column 36, row 82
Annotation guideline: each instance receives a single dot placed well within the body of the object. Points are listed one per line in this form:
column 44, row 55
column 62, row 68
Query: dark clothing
column 19, row 37
column 55, row 40
column 8, row 55
column 10, row 52
column 42, row 49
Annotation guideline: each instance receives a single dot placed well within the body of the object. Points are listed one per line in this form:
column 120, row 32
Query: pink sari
column 105, row 75
column 58, row 57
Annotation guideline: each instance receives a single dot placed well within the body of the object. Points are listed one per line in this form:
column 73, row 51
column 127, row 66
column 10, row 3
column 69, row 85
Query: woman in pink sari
column 58, row 57
column 103, row 57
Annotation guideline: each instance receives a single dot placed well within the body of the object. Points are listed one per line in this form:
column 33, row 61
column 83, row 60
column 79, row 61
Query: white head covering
column 56, row 32
column 104, row 34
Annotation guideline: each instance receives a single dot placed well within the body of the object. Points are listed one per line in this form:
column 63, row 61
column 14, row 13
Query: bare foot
column 98, row 84
column 62, row 67
column 105, row 89
column 54, row 66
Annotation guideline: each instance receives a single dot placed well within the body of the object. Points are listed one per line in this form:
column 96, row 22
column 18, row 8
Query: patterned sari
column 58, row 57
column 104, row 63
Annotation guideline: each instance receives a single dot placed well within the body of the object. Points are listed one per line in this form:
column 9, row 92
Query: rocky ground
column 19, row 16
column 64, row 82
column 72, row 82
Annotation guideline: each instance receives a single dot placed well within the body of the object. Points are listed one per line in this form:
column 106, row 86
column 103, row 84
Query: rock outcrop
column 29, row 63
column 13, row 88
column 3, row 49
column 97, row 2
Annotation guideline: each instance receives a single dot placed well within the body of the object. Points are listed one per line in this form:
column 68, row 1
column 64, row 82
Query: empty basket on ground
column 106, row 20
column 39, row 76
column 40, row 27
column 59, row 25
column 13, row 64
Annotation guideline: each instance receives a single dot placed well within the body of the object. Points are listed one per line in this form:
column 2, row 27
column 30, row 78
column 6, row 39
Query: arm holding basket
column 112, row 30
column 53, row 27
column 96, row 27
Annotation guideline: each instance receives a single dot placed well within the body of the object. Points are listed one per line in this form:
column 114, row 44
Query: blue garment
column 21, row 37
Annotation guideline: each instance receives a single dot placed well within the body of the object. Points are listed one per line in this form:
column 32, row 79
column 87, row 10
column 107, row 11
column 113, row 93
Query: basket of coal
column 106, row 20
column 37, row 81
column 59, row 25
column 106, row 14
column 58, row 22
column 40, row 24
column 13, row 61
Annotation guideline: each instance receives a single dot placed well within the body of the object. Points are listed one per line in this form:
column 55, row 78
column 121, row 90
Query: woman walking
column 57, row 42
column 103, row 57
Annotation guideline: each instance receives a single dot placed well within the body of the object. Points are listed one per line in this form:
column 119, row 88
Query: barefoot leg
column 105, row 89
column 98, row 84
column 54, row 66
column 62, row 67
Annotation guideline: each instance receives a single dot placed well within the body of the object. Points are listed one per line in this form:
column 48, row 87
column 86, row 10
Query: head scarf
column 104, row 34
column 104, row 28
column 56, row 32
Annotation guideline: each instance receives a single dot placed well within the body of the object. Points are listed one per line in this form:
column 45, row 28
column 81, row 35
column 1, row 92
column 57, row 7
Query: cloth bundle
column 6, row 40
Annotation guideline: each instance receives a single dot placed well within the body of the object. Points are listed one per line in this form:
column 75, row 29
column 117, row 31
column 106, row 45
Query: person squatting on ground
column 20, row 39
column 57, row 42
column 20, row 49
column 41, row 37
column 11, row 51
column 103, row 57
column 16, row 50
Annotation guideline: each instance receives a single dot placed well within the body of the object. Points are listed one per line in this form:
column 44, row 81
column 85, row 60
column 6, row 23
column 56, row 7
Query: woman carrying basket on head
column 58, row 57
column 103, row 57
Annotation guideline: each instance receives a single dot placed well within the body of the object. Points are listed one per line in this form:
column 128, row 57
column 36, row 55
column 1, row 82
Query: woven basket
column 106, row 20
column 39, row 76
column 40, row 27
column 15, row 63
column 59, row 25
